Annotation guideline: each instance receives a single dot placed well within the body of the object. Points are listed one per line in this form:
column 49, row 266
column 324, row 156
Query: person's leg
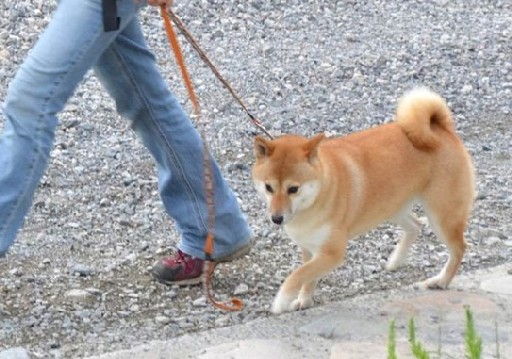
column 128, row 70
column 69, row 46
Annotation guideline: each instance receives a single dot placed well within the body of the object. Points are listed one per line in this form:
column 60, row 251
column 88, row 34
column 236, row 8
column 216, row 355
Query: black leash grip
column 111, row 21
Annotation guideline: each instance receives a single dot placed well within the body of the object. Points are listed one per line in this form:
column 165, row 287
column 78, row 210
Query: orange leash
column 175, row 45
column 209, row 265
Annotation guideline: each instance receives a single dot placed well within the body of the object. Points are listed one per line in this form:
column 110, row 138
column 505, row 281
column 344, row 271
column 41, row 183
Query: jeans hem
column 217, row 255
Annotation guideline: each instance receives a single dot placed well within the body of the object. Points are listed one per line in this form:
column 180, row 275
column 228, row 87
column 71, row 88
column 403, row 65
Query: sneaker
column 183, row 269
column 179, row 268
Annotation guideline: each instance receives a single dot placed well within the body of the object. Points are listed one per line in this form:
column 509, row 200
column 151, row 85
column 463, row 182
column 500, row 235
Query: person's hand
column 167, row 3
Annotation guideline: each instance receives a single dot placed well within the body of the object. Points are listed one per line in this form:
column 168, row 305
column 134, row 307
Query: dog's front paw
column 437, row 282
column 282, row 303
column 302, row 302
column 287, row 303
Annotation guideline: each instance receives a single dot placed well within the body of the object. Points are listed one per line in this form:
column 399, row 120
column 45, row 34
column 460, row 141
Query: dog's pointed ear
column 262, row 147
column 312, row 145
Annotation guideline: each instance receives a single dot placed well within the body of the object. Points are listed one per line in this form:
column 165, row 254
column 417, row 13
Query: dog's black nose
column 277, row 219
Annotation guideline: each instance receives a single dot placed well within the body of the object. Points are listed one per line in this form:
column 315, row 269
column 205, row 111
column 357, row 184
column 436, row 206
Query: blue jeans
column 73, row 43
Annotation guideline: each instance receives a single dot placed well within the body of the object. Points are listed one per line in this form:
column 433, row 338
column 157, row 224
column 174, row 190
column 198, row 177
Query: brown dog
column 327, row 191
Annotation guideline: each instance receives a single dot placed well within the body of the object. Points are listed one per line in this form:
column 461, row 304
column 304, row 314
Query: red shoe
column 183, row 269
column 179, row 268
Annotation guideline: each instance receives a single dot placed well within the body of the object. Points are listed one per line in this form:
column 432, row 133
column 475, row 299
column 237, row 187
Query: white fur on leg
column 411, row 225
column 397, row 259
column 283, row 302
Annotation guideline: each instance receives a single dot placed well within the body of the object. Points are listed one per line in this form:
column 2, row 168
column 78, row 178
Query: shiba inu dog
column 325, row 191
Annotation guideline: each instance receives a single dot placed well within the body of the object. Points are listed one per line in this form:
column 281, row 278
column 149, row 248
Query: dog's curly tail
column 422, row 114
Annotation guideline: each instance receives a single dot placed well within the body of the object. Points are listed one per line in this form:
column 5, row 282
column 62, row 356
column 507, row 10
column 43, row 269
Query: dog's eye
column 269, row 188
column 293, row 189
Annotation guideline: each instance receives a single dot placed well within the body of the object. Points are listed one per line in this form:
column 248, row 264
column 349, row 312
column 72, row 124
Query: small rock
column 186, row 325
column 492, row 241
column 130, row 258
column 222, row 321
column 79, row 295
column 16, row 272
column 171, row 294
column 94, row 291
column 492, row 232
column 71, row 123
column 241, row 289
column 87, row 127
column 81, row 270
column 104, row 202
column 162, row 319
column 4, row 54
column 199, row 302
column 144, row 246
column 125, row 222
column 467, row 89
column 160, row 251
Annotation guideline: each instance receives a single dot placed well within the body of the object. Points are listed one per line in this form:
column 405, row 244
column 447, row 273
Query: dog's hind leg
column 450, row 229
column 410, row 224
column 448, row 215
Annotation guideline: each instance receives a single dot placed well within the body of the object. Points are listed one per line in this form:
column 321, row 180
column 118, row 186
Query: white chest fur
column 310, row 238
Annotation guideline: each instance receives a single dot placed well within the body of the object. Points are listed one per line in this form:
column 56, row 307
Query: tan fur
column 327, row 191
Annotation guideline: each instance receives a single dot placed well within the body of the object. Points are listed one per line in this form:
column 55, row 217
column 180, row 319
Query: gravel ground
column 76, row 283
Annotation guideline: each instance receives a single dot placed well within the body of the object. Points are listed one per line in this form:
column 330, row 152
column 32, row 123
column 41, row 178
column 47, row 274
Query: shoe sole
column 237, row 254
column 182, row 283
